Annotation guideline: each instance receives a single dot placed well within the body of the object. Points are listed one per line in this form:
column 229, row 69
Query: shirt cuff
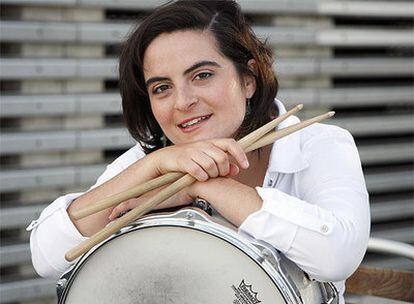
column 53, row 235
column 280, row 217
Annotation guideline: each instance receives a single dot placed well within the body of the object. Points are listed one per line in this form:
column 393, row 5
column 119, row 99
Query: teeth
column 194, row 121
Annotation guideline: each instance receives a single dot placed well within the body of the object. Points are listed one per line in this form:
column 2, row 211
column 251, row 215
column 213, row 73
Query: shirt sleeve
column 324, row 227
column 53, row 233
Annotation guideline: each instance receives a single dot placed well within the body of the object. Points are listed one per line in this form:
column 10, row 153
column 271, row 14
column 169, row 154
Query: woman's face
column 195, row 92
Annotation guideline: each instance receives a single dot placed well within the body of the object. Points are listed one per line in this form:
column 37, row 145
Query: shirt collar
column 286, row 155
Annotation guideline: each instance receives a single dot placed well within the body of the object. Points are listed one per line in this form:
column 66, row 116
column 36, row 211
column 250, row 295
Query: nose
column 185, row 100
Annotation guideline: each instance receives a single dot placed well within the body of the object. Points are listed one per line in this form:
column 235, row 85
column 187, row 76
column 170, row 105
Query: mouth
column 193, row 122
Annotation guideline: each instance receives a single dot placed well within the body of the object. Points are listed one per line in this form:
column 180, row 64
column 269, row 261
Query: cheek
column 228, row 93
column 161, row 114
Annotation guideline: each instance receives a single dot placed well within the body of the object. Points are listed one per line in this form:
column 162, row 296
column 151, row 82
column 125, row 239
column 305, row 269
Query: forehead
column 178, row 50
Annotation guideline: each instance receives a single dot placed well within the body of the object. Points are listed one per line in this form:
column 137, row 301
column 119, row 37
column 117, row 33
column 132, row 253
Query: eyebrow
column 187, row 71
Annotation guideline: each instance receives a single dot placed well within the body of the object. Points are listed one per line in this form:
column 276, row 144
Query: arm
column 54, row 233
column 138, row 172
column 321, row 224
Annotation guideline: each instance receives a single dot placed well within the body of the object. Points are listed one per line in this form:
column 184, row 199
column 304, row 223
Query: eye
column 160, row 89
column 203, row 75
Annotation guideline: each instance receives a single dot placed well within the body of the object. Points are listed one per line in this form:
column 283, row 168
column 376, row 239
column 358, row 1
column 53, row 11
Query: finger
column 206, row 162
column 121, row 208
column 234, row 149
column 221, row 159
column 195, row 170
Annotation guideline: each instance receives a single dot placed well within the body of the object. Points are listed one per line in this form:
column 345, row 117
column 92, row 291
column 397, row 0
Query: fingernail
column 246, row 163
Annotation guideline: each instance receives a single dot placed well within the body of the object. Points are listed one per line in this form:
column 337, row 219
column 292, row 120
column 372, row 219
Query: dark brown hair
column 236, row 41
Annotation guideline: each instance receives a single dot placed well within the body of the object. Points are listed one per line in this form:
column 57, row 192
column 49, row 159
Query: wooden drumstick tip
column 331, row 113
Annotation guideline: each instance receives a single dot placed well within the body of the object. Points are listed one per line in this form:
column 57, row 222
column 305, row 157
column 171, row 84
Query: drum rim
column 265, row 256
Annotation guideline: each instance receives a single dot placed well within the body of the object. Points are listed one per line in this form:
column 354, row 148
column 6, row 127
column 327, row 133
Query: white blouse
column 315, row 206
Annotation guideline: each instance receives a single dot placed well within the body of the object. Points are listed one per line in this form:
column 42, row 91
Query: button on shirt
column 315, row 206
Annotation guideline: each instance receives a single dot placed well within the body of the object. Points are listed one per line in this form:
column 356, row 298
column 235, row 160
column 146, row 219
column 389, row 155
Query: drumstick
column 273, row 136
column 135, row 191
column 160, row 181
column 158, row 198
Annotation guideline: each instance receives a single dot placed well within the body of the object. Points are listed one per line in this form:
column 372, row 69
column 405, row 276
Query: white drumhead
column 167, row 264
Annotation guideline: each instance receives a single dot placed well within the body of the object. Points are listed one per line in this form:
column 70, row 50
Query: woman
column 194, row 78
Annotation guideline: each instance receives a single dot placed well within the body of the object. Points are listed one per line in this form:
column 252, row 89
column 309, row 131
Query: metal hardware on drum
column 157, row 259
column 204, row 205
column 60, row 286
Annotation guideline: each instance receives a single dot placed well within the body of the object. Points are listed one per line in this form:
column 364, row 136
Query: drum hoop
column 260, row 252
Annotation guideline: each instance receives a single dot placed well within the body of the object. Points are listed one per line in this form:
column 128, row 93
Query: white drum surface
column 167, row 264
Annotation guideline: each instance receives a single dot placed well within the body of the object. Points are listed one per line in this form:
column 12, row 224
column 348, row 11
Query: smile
column 194, row 121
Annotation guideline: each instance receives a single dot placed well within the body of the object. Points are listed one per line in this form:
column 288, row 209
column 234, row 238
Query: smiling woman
column 194, row 78
column 193, row 39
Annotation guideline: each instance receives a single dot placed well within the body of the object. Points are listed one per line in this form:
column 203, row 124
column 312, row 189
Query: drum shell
column 292, row 284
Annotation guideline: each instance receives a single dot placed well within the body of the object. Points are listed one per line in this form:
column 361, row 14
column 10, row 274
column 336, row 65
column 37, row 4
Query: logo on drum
column 245, row 294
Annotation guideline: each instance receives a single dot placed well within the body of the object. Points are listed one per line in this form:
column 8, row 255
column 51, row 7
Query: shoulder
column 318, row 133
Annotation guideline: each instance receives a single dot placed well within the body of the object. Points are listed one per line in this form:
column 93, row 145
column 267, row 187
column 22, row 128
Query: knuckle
column 222, row 158
column 194, row 170
column 210, row 165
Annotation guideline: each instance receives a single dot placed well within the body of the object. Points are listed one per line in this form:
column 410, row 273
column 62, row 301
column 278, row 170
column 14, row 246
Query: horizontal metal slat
column 392, row 180
column 50, row 105
column 392, row 209
column 368, row 37
column 14, row 254
column 366, row 8
column 107, row 32
column 24, row 142
column 19, row 68
column 400, row 234
column 348, row 96
column 376, row 125
column 19, row 217
column 14, row 180
column 386, row 153
column 27, row 290
column 312, row 7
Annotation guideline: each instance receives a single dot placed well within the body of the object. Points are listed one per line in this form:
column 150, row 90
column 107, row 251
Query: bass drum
column 186, row 257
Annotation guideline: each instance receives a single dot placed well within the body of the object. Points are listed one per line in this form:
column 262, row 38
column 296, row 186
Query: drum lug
column 189, row 215
column 61, row 283
column 330, row 293
column 266, row 254
column 60, row 286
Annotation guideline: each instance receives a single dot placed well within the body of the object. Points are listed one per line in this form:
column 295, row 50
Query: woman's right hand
column 203, row 159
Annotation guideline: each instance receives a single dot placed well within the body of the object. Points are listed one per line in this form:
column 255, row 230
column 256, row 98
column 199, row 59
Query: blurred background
column 61, row 120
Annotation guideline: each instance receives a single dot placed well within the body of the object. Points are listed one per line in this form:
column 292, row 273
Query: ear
column 250, row 80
